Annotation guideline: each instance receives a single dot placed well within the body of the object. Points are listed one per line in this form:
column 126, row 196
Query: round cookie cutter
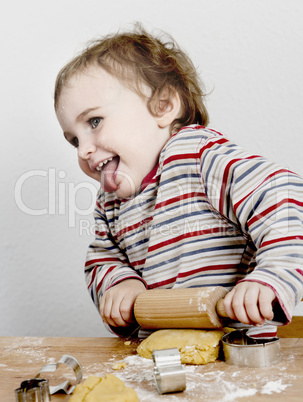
column 168, row 371
column 244, row 351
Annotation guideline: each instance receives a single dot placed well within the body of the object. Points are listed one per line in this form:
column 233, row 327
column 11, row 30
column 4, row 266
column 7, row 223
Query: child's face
column 110, row 125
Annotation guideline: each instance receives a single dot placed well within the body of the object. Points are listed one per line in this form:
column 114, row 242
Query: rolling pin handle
column 220, row 308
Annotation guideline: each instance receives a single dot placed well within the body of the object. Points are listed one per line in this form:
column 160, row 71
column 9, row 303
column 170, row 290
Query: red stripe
column 135, row 226
column 273, row 207
column 208, row 268
column 187, row 128
column 93, row 277
column 266, row 243
column 148, row 178
column 101, row 260
column 139, row 262
column 267, row 178
column 179, row 198
column 184, row 275
column 104, row 276
column 181, row 156
column 225, row 179
column 97, row 233
column 183, row 236
column 197, row 127
column 162, row 283
column 264, row 335
column 109, row 204
column 211, row 144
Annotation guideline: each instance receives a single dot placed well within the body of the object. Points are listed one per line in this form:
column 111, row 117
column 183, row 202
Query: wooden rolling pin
column 181, row 308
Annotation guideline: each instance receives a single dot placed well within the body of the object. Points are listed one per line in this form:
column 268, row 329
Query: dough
column 103, row 389
column 196, row 346
column 119, row 365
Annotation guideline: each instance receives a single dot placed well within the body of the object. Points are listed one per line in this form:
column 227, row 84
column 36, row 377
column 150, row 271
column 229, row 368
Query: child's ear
column 168, row 107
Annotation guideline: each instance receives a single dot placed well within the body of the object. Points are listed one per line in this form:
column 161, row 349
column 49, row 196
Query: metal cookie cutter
column 38, row 390
column 244, row 351
column 34, row 390
column 65, row 386
column 168, row 371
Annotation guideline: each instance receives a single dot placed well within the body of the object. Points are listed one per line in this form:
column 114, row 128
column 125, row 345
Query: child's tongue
column 108, row 175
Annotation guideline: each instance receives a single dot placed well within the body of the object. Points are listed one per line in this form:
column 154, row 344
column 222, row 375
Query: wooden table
column 22, row 358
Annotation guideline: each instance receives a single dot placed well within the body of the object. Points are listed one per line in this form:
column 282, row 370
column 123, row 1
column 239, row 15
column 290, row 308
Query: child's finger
column 227, row 302
column 105, row 310
column 266, row 298
column 116, row 315
column 238, row 305
column 126, row 309
column 241, row 304
column 251, row 304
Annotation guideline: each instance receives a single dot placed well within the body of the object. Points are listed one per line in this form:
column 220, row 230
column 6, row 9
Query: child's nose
column 85, row 150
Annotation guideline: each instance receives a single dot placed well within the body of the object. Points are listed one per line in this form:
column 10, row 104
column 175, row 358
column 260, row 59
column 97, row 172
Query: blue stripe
column 265, row 192
column 213, row 159
column 268, row 218
column 279, row 278
column 182, row 255
column 250, row 170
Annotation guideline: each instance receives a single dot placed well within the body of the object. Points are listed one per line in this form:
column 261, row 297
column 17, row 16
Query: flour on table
column 31, row 348
column 274, row 386
column 206, row 383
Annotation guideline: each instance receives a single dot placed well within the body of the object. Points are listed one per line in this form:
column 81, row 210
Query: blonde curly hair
column 138, row 57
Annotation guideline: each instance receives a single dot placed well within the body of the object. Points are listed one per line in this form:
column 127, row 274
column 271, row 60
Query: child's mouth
column 101, row 164
column 109, row 175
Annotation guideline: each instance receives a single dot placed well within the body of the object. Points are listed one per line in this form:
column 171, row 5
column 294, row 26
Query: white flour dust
column 202, row 307
column 214, row 386
column 203, row 383
column 216, row 381
column 274, row 387
column 30, row 348
column 209, row 382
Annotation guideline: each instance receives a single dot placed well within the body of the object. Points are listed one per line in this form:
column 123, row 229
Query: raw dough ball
column 105, row 389
column 196, row 346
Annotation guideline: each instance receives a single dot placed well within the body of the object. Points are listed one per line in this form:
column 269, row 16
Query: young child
column 179, row 205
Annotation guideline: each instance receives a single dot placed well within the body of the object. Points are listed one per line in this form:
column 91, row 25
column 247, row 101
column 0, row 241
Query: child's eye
column 95, row 121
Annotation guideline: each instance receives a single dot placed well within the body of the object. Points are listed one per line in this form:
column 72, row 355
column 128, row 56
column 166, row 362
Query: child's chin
column 125, row 193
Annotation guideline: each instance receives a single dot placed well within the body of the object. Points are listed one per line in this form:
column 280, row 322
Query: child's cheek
column 86, row 169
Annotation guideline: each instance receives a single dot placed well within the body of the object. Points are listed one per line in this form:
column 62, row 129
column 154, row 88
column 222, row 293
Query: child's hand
column 250, row 303
column 117, row 303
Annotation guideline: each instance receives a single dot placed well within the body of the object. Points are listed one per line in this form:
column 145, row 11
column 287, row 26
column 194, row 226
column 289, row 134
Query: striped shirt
column 210, row 214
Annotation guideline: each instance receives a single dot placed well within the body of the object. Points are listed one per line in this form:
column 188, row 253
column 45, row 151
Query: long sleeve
column 106, row 264
column 266, row 202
